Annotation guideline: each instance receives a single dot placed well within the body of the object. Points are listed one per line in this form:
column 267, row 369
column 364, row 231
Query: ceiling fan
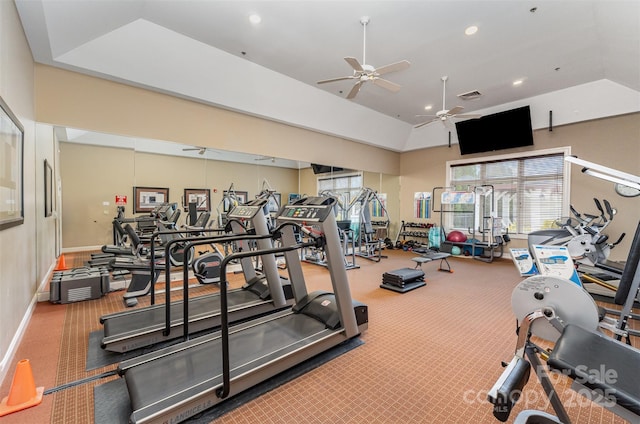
column 363, row 72
column 200, row 150
column 444, row 115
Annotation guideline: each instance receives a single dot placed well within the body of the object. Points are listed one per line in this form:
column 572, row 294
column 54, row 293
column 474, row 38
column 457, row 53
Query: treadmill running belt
column 196, row 369
column 155, row 317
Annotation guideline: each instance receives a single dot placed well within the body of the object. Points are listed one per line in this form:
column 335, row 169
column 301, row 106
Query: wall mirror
column 100, row 171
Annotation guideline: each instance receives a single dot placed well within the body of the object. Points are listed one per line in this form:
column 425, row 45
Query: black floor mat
column 111, row 401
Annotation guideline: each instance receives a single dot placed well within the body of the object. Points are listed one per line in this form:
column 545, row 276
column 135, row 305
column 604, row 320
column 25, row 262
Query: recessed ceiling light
column 428, row 107
column 471, row 30
column 254, row 18
column 517, row 82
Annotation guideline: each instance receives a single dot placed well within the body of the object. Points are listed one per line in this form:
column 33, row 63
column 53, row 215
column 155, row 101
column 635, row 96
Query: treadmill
column 137, row 328
column 175, row 383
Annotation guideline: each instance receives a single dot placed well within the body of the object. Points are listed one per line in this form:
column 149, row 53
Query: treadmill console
column 248, row 210
column 314, row 209
column 308, row 213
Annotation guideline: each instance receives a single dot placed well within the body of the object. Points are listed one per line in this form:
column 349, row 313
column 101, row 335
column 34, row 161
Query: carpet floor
column 429, row 355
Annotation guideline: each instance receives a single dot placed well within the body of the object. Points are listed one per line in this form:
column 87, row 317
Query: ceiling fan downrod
column 444, row 90
column 364, row 21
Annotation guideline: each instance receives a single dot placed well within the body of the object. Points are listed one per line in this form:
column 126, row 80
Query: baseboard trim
column 7, row 359
column 80, row 249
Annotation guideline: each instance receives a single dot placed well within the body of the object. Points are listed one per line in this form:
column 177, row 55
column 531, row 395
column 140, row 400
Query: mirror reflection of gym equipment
column 371, row 234
column 317, row 322
column 316, row 255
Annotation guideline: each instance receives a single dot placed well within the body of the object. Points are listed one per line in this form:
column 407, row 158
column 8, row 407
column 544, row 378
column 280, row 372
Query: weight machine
column 316, row 255
column 472, row 209
column 368, row 241
column 229, row 201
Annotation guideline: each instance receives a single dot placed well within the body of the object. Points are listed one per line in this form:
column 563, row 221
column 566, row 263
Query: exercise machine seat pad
column 599, row 363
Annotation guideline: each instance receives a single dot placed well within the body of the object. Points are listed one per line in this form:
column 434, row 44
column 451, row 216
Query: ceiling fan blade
column 391, row 86
column 469, row 116
column 430, row 116
column 426, row 123
column 354, row 91
column 394, row 67
column 455, row 110
column 335, row 79
column 354, row 63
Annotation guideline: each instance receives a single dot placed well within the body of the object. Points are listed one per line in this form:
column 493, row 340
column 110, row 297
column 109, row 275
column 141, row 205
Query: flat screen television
column 323, row 169
column 502, row 130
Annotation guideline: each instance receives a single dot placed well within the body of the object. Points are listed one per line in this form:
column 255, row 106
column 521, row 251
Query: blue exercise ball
column 455, row 250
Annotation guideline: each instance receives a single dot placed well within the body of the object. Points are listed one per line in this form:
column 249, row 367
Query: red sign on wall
column 121, row 200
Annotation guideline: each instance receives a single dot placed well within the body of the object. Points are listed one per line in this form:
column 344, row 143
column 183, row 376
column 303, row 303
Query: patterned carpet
column 429, row 355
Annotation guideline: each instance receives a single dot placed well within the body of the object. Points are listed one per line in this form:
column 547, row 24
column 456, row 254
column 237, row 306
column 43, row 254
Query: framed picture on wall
column 242, row 197
column 293, row 197
column 200, row 196
column 48, row 189
column 275, row 201
column 11, row 171
column 239, row 196
column 147, row 198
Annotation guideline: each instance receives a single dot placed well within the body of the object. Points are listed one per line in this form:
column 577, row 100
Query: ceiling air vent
column 469, row 95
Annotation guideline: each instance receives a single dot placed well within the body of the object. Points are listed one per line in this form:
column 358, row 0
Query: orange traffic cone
column 23, row 393
column 61, row 266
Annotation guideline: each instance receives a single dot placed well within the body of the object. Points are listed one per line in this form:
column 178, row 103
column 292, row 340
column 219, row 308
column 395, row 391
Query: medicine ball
column 456, row 237
column 455, row 250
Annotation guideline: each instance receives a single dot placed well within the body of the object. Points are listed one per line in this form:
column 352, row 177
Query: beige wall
column 612, row 142
column 79, row 101
column 93, row 175
column 27, row 251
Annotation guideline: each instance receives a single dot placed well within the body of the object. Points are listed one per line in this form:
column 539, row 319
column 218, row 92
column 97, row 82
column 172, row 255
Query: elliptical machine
column 582, row 234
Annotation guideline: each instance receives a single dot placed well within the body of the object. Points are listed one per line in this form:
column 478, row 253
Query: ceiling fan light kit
column 362, row 72
column 445, row 114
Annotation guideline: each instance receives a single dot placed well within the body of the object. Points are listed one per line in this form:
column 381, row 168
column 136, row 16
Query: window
column 345, row 187
column 530, row 192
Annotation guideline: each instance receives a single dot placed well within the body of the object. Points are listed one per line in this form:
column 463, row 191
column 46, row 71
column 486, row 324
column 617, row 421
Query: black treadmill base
column 407, row 287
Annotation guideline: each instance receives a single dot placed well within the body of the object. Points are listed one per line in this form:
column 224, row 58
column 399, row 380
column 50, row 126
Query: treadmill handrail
column 188, row 240
column 153, row 254
column 197, row 241
column 223, row 392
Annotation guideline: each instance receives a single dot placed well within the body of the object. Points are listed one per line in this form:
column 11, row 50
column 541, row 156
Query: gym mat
column 111, row 402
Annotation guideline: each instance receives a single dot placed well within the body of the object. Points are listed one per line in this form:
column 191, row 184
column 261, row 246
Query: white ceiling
column 210, row 52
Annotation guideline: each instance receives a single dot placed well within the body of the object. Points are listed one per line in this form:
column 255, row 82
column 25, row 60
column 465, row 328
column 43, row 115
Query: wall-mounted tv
column 323, row 169
column 503, row 130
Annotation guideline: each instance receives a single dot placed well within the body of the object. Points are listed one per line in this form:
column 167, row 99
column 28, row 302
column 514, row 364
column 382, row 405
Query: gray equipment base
column 79, row 284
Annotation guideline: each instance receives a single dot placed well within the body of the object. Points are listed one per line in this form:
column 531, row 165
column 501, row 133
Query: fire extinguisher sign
column 121, row 200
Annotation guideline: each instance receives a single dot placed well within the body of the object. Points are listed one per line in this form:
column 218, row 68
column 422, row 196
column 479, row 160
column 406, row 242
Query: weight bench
column 433, row 256
column 603, row 369
column 609, row 369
